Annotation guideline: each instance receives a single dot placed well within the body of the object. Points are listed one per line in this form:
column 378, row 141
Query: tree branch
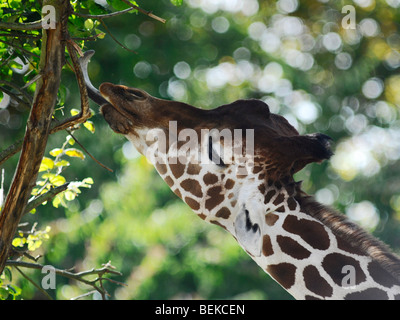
column 46, row 197
column 37, row 129
column 113, row 14
column 34, row 284
column 10, row 151
column 20, row 48
column 36, row 25
column 102, row 16
column 147, row 13
column 79, row 276
column 115, row 39
column 27, row 97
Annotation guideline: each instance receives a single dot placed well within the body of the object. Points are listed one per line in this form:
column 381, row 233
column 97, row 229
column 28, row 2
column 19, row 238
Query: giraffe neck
column 311, row 251
column 315, row 253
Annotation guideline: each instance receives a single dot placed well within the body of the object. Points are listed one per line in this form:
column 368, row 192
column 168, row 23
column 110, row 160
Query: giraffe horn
column 93, row 93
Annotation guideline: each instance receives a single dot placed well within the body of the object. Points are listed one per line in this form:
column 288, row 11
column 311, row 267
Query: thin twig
column 21, row 49
column 16, row 98
column 27, row 97
column 87, row 152
column 102, row 16
column 113, row 14
column 20, row 35
column 147, row 13
column 100, row 272
column 85, row 111
column 115, row 39
column 34, row 283
column 84, row 295
column 10, row 151
column 45, row 197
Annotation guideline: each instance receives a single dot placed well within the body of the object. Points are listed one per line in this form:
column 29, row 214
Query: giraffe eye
column 136, row 93
column 213, row 155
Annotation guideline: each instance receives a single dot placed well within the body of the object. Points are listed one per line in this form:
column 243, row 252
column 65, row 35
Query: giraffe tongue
column 93, row 93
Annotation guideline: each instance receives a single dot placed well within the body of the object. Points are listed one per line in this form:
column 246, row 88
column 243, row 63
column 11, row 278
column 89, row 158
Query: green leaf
column 89, row 24
column 87, row 182
column 8, row 273
column 14, row 291
column 72, row 152
column 56, row 180
column 117, row 4
column 69, row 195
column 90, row 126
column 56, row 201
column 47, row 164
column 18, row 242
column 71, row 141
column 100, row 34
column 62, row 163
column 4, row 293
column 74, row 112
column 55, row 152
column 176, row 2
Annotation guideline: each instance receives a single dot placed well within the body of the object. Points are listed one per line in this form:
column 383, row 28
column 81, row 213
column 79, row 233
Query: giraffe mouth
column 117, row 118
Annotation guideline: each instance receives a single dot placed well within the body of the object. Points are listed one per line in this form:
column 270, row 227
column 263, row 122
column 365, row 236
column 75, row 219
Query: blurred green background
column 297, row 57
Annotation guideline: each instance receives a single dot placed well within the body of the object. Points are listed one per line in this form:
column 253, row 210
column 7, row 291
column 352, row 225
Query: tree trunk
column 37, row 129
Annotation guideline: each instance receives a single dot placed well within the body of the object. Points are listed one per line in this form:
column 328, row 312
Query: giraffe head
column 218, row 161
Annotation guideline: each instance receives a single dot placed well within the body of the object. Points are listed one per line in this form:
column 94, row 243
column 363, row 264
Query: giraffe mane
column 352, row 234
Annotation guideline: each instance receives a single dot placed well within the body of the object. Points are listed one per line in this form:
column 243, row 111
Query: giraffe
column 312, row 251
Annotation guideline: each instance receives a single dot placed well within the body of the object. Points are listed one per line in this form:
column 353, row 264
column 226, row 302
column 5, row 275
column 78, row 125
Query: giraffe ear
column 248, row 232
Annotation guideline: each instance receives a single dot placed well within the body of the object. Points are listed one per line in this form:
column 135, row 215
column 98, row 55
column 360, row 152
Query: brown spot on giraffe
column 223, row 213
column 267, row 249
column 368, row 294
column 279, row 199
column 269, row 196
column 257, row 169
column 170, row 182
column 217, row 223
column 177, row 168
column 334, row 264
column 192, row 186
column 315, row 283
column 311, row 232
column 215, row 197
column 229, row 184
column 381, row 276
column 292, row 203
column 271, row 218
column 202, row 216
column 261, row 188
column 284, row 273
column 292, row 248
column 210, row 178
column 161, row 168
column 193, row 169
column 178, row 193
column 192, row 203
